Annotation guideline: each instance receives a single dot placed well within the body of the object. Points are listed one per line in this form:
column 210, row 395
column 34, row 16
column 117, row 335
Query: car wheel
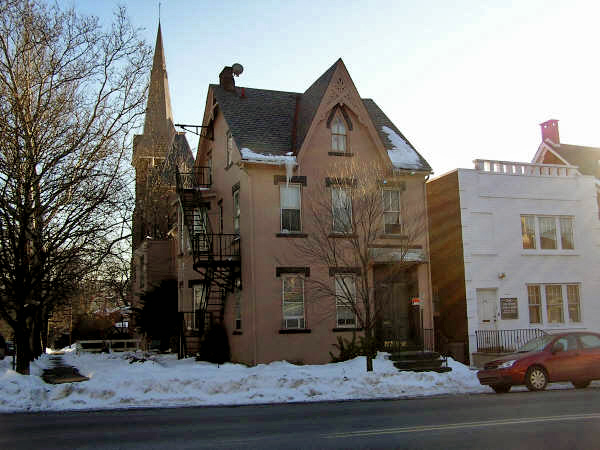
column 501, row 388
column 581, row 384
column 536, row 379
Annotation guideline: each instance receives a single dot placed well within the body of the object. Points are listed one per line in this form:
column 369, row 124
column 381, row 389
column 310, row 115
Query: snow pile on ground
column 163, row 381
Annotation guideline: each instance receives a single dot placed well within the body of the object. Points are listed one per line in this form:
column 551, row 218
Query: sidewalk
column 59, row 372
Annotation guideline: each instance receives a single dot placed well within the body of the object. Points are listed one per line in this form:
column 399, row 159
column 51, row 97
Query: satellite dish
column 237, row 69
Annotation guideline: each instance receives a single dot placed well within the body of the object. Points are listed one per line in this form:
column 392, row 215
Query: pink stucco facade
column 260, row 337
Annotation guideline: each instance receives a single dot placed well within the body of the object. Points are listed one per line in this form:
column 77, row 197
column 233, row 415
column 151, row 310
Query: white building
column 515, row 248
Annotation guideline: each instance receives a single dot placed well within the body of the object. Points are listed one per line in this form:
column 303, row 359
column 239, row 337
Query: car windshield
column 535, row 345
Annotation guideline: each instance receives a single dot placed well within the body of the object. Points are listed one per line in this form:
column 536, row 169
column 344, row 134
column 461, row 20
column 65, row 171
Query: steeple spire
column 159, row 117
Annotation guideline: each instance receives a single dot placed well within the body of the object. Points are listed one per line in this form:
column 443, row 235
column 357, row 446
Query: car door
column 565, row 365
column 590, row 355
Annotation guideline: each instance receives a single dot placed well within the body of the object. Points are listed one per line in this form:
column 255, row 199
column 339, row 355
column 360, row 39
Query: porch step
column 414, row 355
column 419, row 361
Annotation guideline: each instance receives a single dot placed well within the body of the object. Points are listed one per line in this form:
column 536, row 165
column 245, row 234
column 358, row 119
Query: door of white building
column 487, row 308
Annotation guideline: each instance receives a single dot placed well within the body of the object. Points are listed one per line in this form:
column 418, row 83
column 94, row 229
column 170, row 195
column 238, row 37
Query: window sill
column 294, row 331
column 348, row 154
column 393, row 236
column 291, row 235
column 343, row 235
column 237, row 333
column 342, row 329
column 549, row 253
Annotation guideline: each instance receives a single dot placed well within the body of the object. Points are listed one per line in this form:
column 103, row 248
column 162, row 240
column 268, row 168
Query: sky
column 462, row 79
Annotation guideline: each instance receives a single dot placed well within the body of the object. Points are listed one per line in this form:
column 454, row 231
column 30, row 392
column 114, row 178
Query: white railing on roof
column 526, row 169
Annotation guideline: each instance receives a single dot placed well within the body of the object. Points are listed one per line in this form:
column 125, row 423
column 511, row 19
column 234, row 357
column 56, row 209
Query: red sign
column 415, row 301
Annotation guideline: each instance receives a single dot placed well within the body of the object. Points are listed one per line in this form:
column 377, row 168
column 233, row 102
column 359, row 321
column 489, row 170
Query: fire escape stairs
column 216, row 256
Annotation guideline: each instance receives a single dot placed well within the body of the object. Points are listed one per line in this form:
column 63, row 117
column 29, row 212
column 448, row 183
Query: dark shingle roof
column 586, row 158
column 309, row 103
column 380, row 120
column 261, row 120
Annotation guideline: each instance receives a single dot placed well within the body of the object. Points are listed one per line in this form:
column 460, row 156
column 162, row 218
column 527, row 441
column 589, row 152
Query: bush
column 215, row 345
column 350, row 349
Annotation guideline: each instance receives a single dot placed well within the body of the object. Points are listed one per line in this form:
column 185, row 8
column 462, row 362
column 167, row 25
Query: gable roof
column 262, row 121
column 586, row 158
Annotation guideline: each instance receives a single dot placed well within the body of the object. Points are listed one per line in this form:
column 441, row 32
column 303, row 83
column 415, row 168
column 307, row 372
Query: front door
column 487, row 308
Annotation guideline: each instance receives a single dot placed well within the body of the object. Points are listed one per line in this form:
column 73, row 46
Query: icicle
column 289, row 170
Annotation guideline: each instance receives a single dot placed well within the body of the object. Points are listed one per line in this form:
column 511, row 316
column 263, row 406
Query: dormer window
column 338, row 135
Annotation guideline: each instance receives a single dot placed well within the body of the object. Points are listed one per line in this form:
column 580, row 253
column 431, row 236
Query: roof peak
column 159, row 115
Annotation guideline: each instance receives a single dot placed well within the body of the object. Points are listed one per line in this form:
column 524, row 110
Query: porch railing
column 504, row 341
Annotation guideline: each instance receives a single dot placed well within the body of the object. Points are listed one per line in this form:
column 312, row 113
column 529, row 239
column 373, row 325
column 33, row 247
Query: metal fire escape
column 216, row 256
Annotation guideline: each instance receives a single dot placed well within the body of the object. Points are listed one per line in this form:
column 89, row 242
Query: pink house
column 246, row 216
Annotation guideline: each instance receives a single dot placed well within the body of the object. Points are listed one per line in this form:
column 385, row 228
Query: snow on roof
column 401, row 154
column 278, row 160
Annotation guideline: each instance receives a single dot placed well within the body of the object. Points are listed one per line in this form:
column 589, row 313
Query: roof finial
column 159, row 13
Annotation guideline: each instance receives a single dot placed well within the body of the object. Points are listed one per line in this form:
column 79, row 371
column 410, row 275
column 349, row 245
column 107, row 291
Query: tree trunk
column 23, row 352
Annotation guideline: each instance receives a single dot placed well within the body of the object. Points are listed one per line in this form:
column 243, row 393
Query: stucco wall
column 494, row 258
column 261, row 339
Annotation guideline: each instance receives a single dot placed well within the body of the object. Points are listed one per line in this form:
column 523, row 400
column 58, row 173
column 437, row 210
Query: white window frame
column 559, row 230
column 339, row 133
column 566, row 316
column 392, row 211
column 333, row 209
column 343, row 299
column 297, row 187
column 292, row 321
column 236, row 211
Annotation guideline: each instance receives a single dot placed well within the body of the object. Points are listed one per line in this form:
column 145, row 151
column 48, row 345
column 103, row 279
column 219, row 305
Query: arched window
column 338, row 135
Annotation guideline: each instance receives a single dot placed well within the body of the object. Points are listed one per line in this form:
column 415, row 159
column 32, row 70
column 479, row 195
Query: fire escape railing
column 199, row 177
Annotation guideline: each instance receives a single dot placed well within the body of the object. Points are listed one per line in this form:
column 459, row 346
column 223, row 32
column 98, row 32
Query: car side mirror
column 558, row 347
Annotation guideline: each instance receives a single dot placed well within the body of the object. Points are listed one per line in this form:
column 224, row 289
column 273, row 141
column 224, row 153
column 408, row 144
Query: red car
column 573, row 357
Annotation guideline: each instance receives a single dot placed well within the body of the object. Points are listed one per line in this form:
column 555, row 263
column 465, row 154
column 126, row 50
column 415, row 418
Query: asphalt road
column 562, row 419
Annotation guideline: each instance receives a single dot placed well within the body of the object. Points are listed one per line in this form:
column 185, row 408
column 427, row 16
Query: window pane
column 391, row 200
column 590, row 341
column 342, row 210
column 535, row 302
column 338, row 126
column 289, row 197
column 554, row 303
column 547, row 232
column 573, row 299
column 528, row 231
column 566, row 232
column 290, row 220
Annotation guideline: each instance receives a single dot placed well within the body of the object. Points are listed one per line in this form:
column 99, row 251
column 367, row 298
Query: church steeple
column 159, row 117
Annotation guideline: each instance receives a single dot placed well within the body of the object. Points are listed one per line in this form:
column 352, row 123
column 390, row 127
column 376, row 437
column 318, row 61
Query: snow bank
column 164, row 381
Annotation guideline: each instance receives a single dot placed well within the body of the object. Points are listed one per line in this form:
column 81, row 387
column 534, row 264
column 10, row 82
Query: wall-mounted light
column 502, row 275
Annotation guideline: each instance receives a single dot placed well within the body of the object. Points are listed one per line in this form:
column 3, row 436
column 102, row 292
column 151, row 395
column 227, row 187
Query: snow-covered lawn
column 164, row 381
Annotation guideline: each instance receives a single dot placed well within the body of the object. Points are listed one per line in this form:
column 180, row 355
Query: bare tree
column 345, row 221
column 70, row 95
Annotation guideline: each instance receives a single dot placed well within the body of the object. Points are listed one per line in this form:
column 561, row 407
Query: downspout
column 430, row 288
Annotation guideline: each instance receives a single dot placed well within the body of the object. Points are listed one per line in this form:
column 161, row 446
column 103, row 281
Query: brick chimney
column 550, row 131
column 226, row 79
